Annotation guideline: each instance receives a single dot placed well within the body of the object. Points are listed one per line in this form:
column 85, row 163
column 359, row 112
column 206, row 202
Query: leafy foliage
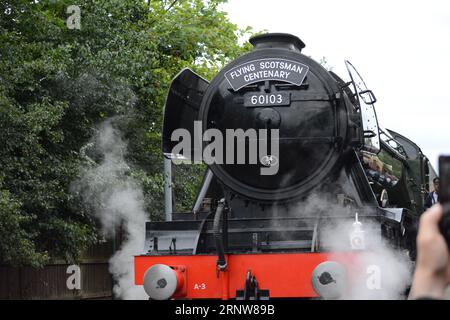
column 57, row 84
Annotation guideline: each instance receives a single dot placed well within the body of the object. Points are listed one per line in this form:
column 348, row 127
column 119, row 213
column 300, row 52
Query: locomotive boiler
column 290, row 149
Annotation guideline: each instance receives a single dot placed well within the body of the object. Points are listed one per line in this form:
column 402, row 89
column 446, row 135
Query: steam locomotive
column 256, row 230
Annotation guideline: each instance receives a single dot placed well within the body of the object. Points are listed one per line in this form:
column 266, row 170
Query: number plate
column 267, row 99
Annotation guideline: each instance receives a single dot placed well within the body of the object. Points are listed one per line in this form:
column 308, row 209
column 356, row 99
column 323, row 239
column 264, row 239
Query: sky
column 400, row 48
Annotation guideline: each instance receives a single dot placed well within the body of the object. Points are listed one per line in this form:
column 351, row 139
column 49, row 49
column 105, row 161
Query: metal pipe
column 168, row 188
column 218, row 237
column 203, row 190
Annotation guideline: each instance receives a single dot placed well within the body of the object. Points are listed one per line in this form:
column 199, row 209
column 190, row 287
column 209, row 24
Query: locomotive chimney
column 277, row 40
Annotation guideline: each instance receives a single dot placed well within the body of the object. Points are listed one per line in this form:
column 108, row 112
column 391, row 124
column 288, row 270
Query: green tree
column 57, row 84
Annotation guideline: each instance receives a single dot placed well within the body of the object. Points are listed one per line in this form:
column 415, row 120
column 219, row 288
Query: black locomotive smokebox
column 276, row 87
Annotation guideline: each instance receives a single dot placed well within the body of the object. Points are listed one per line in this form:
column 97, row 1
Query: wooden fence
column 57, row 281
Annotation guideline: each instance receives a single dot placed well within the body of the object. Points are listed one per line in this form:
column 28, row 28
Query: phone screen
column 444, row 179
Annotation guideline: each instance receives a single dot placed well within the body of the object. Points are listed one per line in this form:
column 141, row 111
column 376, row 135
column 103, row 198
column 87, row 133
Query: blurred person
column 433, row 197
column 432, row 273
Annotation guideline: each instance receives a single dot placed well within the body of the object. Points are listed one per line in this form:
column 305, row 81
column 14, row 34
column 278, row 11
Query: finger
column 430, row 219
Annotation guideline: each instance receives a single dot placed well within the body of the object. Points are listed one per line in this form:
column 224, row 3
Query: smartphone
column 444, row 196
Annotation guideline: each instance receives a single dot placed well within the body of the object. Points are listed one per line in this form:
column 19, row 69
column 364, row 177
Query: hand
column 432, row 274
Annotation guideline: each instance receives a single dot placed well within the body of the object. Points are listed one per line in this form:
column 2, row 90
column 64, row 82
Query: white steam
column 377, row 272
column 117, row 200
column 380, row 271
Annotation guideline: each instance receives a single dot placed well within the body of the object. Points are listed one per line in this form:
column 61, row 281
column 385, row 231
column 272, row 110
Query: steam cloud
column 117, row 200
column 379, row 272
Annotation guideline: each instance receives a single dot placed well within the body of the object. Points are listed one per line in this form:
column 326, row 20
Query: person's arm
column 432, row 274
